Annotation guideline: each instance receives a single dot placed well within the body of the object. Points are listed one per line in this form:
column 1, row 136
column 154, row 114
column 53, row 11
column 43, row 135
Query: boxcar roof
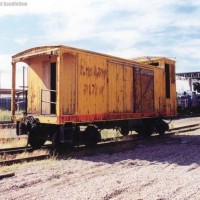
column 54, row 50
column 152, row 58
column 33, row 52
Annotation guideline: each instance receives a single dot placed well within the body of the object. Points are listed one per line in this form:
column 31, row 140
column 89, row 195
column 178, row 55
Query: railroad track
column 7, row 124
column 9, row 156
column 15, row 150
column 108, row 145
column 26, row 159
column 182, row 129
column 119, row 144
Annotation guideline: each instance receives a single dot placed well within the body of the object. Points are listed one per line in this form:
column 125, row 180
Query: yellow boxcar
column 70, row 87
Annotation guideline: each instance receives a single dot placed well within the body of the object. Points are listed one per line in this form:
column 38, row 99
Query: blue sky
column 124, row 28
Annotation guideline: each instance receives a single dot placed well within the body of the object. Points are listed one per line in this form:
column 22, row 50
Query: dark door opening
column 167, row 80
column 53, row 87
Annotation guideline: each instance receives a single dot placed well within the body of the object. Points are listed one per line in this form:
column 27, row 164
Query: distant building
column 5, row 99
column 187, row 82
column 188, row 90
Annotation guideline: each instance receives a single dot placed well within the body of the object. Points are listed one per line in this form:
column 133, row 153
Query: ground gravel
column 160, row 171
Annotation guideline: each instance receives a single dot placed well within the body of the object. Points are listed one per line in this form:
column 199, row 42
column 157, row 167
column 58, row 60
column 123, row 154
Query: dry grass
column 107, row 133
column 5, row 115
column 24, row 155
column 15, row 167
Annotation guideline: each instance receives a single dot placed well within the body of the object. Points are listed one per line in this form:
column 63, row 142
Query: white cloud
column 21, row 41
column 5, row 71
column 84, row 20
column 127, row 28
column 5, row 62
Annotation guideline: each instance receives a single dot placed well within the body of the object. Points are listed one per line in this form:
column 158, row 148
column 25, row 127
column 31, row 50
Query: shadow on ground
column 182, row 150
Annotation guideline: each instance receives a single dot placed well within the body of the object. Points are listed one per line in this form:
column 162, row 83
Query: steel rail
column 180, row 129
column 7, row 175
column 20, row 160
column 12, row 151
column 107, row 147
column 22, row 149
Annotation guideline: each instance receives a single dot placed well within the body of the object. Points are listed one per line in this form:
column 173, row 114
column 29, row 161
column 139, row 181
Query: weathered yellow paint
column 162, row 103
column 112, row 87
column 128, row 89
column 159, row 90
column 92, row 85
column 58, row 83
column 68, row 86
column 46, row 85
column 89, row 83
column 120, row 88
column 47, row 119
column 39, row 78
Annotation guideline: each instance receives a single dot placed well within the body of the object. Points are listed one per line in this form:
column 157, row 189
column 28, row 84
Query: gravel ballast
column 158, row 171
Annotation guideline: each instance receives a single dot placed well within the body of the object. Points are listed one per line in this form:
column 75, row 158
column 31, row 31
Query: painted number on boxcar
column 94, row 86
column 97, row 72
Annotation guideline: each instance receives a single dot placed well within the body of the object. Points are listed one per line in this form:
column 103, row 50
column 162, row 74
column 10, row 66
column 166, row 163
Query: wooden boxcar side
column 69, row 87
column 98, row 87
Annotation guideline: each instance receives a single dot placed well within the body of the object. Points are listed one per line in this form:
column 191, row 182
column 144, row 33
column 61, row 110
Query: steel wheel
column 124, row 130
column 145, row 131
column 92, row 136
column 36, row 138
